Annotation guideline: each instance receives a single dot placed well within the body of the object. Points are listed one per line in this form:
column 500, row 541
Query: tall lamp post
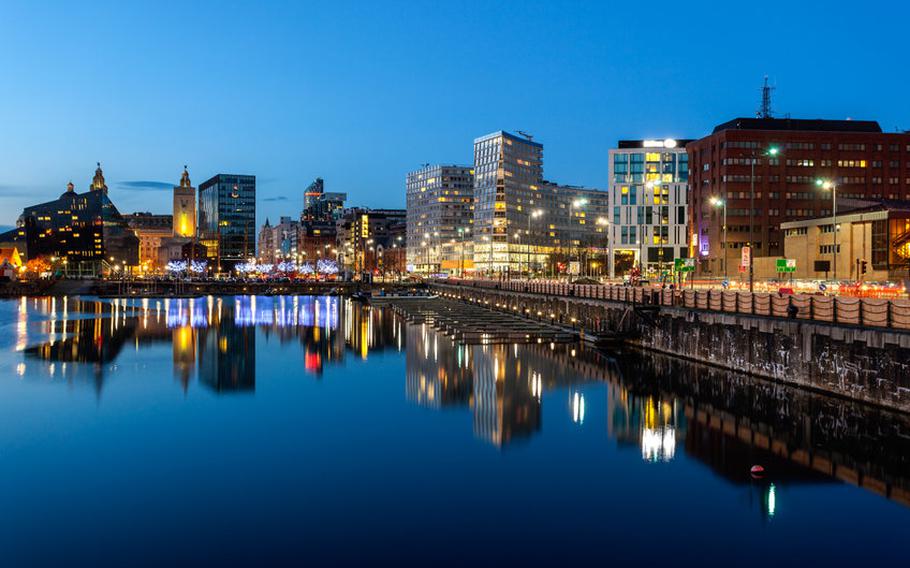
column 830, row 185
column 463, row 232
column 532, row 215
column 489, row 239
column 719, row 202
column 772, row 151
column 575, row 204
column 605, row 224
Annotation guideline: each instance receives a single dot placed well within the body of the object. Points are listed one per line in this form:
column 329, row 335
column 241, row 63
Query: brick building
column 863, row 161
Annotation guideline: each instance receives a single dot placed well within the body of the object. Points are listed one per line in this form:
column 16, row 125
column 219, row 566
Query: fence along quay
column 858, row 348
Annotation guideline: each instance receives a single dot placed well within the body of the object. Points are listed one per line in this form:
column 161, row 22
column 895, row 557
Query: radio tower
column 764, row 111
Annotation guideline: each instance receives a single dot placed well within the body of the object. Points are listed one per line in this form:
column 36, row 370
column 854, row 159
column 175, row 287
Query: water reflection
column 655, row 406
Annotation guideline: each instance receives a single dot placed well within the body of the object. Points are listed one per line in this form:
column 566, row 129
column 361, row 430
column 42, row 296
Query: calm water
column 305, row 430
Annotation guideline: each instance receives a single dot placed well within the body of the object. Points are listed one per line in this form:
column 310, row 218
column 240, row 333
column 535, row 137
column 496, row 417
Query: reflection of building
column 652, row 422
column 84, row 229
column 440, row 215
column 648, row 189
column 153, row 231
column 873, row 242
column 227, row 219
column 227, row 357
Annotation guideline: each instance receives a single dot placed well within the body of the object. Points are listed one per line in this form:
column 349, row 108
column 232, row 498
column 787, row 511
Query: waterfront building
column 227, row 219
column 861, row 160
column 440, row 216
column 524, row 223
column 873, row 242
column 184, row 207
column 83, row 231
column 648, row 197
column 153, row 231
column 364, row 235
column 278, row 243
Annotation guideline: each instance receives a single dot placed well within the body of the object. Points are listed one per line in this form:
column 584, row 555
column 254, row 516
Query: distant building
column 873, row 242
column 152, row 231
column 509, row 190
column 440, row 217
column 227, row 219
column 319, row 206
column 863, row 161
column 364, row 235
column 316, row 235
column 279, row 242
column 85, row 230
column 648, row 194
column 184, row 214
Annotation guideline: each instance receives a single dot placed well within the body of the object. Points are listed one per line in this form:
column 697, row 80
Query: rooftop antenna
column 764, row 111
column 530, row 137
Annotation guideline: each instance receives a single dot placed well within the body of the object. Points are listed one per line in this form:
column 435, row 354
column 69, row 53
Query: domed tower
column 185, row 207
column 70, row 191
column 98, row 181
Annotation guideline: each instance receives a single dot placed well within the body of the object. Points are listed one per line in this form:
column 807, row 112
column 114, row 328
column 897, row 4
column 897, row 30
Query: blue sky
column 362, row 92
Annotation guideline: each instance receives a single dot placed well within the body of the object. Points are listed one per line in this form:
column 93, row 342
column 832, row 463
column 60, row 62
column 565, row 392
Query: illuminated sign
column 668, row 143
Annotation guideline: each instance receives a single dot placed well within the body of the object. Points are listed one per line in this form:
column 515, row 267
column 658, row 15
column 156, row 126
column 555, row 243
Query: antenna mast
column 764, row 111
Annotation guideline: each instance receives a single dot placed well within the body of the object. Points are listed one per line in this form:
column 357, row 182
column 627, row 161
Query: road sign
column 683, row 264
column 786, row 265
column 746, row 258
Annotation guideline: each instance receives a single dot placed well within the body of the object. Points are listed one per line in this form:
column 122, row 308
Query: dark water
column 295, row 431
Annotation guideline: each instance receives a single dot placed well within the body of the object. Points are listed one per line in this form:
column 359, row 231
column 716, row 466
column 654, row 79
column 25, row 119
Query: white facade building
column 648, row 202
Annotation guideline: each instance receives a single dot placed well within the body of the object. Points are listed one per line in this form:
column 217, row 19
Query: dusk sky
column 359, row 93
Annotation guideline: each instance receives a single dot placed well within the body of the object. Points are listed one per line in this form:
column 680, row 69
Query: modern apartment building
column 523, row 222
column 859, row 159
column 648, row 196
column 440, row 217
column 227, row 219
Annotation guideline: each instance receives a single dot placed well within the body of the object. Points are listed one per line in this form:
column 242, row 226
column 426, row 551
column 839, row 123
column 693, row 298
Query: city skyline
column 342, row 106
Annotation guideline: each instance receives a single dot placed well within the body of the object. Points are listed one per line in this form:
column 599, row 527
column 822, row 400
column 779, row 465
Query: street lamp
column 532, row 215
column 605, row 223
column 718, row 202
column 772, row 151
column 463, row 233
column 831, row 185
column 488, row 239
column 575, row 204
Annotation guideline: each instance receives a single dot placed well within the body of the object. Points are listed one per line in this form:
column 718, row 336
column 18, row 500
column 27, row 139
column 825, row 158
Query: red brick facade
column 865, row 162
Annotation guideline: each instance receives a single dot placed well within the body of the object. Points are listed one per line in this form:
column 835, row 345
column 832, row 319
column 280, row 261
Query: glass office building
column 227, row 219
column 648, row 192
column 524, row 223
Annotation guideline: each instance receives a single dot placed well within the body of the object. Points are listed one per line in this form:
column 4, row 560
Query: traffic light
column 862, row 264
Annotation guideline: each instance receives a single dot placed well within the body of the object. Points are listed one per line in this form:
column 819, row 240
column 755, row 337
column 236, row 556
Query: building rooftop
column 663, row 143
column 515, row 137
column 849, row 209
column 800, row 124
